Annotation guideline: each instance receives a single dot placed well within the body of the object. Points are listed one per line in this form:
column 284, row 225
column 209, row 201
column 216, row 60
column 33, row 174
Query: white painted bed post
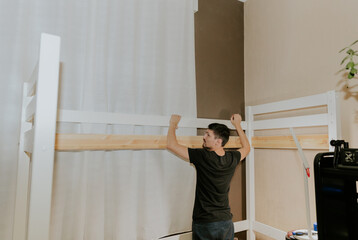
column 250, row 176
column 33, row 219
column 44, row 139
column 334, row 117
column 22, row 183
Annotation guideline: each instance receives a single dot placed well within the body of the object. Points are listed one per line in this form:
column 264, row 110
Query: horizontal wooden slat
column 296, row 103
column 315, row 141
column 31, row 84
column 300, row 121
column 30, row 109
column 29, row 141
column 242, row 225
column 268, row 230
column 80, row 142
column 136, row 119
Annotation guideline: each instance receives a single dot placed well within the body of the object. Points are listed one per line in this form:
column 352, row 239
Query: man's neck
column 219, row 151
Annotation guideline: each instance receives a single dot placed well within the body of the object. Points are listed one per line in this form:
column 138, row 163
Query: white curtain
column 128, row 56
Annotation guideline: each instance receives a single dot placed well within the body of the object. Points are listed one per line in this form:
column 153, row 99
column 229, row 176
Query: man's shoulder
column 196, row 154
column 234, row 154
column 196, row 151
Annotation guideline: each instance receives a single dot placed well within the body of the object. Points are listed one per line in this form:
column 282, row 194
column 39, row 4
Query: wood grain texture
column 315, row 141
column 80, row 142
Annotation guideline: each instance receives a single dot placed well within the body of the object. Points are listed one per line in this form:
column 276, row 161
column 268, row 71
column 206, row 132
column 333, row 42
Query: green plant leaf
column 350, row 52
column 350, row 76
column 343, row 49
column 354, row 42
column 344, row 59
column 350, row 65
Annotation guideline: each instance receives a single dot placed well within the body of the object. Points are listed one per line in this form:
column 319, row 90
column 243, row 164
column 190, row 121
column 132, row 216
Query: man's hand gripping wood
column 172, row 142
column 236, row 122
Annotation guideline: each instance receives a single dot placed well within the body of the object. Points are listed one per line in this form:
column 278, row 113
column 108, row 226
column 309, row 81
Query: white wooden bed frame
column 38, row 142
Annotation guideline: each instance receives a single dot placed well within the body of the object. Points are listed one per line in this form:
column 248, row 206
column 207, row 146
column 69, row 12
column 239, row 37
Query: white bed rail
column 136, row 119
column 291, row 104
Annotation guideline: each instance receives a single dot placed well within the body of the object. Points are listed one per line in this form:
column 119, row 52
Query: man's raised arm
column 236, row 121
column 172, row 143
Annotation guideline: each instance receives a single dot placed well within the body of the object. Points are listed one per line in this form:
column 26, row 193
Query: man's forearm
column 171, row 137
column 245, row 149
column 243, row 138
column 173, row 145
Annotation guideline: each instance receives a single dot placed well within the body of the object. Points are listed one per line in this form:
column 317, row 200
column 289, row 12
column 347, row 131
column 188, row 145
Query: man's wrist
column 173, row 126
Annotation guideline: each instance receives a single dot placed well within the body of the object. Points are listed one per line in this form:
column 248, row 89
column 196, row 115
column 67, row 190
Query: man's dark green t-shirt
column 213, row 176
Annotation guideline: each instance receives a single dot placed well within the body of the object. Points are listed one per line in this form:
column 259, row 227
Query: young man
column 212, row 219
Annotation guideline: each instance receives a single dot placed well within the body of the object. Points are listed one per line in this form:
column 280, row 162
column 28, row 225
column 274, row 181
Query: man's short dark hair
column 220, row 131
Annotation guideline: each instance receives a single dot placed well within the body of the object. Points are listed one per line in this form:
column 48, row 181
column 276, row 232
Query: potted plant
column 351, row 71
column 351, row 65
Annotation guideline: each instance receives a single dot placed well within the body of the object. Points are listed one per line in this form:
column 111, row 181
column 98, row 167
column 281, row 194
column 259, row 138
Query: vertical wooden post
column 44, row 139
column 250, row 176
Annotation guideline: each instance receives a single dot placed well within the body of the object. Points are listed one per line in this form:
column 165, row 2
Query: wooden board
column 315, row 141
column 80, row 142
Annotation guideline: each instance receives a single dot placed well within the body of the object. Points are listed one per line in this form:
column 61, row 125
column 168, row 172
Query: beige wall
column 291, row 50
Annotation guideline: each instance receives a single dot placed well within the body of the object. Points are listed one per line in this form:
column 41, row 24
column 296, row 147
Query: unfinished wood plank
column 314, row 141
column 80, row 142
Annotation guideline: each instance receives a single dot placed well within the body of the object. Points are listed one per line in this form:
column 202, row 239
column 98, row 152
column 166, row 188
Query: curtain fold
column 128, row 56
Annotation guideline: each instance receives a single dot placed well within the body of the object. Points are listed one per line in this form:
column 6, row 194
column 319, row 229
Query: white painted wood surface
column 22, row 183
column 269, row 231
column 31, row 83
column 30, row 109
column 42, row 159
column 291, row 104
column 29, row 140
column 195, row 5
column 334, row 117
column 241, row 226
column 300, row 121
column 250, row 176
column 136, row 119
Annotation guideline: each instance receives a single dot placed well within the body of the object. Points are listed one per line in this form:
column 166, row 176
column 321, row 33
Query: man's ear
column 219, row 141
